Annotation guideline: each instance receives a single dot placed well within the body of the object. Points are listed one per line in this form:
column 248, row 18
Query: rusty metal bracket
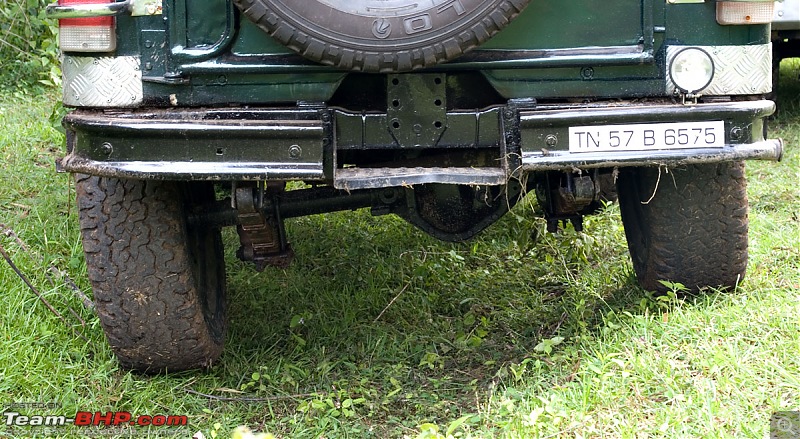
column 262, row 238
column 566, row 197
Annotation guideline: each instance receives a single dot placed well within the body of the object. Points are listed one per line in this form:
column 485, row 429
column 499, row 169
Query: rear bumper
column 744, row 127
column 303, row 144
column 195, row 144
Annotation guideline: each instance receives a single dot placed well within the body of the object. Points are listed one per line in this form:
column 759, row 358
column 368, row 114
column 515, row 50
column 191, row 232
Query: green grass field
column 377, row 330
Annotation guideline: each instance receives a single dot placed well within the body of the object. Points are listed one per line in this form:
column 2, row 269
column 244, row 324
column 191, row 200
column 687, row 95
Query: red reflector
column 93, row 21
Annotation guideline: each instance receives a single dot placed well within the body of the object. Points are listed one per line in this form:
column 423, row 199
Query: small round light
column 691, row 70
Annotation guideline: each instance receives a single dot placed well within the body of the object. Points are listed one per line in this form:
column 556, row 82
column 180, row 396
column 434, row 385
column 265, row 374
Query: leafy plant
column 432, row 431
column 432, row 360
column 474, row 330
column 29, row 52
column 546, row 346
column 332, row 405
column 253, row 383
column 674, row 287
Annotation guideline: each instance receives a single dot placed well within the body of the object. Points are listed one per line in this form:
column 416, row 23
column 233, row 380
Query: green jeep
column 190, row 116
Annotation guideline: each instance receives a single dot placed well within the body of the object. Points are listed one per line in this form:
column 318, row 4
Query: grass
column 377, row 330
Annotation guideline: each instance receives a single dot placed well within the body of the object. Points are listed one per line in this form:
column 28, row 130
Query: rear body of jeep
column 569, row 97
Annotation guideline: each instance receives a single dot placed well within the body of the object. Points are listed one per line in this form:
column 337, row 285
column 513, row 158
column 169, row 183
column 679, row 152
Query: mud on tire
column 380, row 35
column 693, row 230
column 159, row 284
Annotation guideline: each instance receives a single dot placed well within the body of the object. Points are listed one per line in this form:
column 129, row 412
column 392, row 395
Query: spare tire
column 381, row 35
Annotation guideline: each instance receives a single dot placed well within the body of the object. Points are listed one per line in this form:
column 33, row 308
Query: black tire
column 159, row 284
column 694, row 229
column 351, row 35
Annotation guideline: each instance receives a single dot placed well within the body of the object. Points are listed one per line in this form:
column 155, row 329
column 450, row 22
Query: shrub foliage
column 28, row 44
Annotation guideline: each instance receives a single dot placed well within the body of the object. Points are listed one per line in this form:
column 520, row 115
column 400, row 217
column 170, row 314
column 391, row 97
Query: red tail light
column 95, row 34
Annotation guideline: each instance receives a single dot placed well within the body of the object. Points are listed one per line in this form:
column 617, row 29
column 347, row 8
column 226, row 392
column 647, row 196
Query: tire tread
column 694, row 230
column 137, row 259
column 316, row 48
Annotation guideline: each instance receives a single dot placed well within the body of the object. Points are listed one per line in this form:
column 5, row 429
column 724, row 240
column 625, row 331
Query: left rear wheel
column 158, row 281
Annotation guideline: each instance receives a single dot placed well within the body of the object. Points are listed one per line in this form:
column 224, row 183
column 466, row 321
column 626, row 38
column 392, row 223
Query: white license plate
column 646, row 137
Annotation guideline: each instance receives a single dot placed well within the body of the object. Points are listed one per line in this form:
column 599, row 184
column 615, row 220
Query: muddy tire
column 381, row 36
column 159, row 284
column 693, row 230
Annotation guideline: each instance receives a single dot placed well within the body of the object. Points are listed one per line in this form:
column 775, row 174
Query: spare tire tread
column 378, row 61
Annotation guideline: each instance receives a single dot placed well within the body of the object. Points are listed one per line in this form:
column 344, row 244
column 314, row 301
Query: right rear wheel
column 687, row 226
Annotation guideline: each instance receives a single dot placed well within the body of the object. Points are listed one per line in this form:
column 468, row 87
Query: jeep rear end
column 444, row 114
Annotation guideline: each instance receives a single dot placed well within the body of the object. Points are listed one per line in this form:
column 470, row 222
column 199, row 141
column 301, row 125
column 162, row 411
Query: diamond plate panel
column 738, row 70
column 102, row 81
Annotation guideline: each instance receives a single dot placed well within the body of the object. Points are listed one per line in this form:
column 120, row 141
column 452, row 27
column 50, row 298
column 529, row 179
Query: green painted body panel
column 205, row 22
column 252, row 40
column 683, row 28
column 207, row 54
column 560, row 24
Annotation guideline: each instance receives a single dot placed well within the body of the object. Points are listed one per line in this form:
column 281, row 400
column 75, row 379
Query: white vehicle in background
column 785, row 34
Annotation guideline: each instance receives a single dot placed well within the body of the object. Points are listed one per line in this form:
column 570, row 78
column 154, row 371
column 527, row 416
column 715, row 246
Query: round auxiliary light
column 691, row 70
